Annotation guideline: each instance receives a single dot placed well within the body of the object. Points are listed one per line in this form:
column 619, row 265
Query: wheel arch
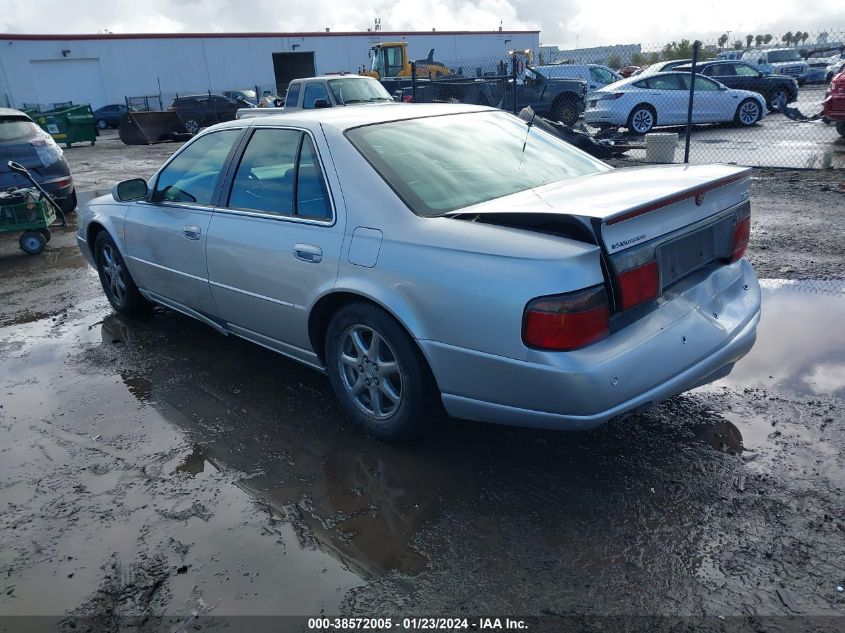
column 643, row 104
column 328, row 305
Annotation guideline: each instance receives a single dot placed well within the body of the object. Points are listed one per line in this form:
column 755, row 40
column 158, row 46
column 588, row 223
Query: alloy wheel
column 642, row 121
column 113, row 273
column 749, row 112
column 778, row 100
column 370, row 372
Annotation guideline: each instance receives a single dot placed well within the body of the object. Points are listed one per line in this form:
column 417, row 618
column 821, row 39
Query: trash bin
column 660, row 147
column 68, row 125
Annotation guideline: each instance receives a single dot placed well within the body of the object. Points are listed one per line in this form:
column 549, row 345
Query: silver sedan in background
column 433, row 257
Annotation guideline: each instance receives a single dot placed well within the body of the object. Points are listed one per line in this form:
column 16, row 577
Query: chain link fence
column 755, row 100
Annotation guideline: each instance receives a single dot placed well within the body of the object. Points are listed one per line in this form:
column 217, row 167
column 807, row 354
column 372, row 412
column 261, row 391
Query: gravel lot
column 156, row 468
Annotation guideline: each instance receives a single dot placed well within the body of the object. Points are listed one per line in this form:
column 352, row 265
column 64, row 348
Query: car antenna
column 525, row 142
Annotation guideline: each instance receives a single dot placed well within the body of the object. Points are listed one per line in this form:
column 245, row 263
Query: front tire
column 778, row 100
column 101, row 123
column 118, row 285
column 192, row 126
column 378, row 374
column 840, row 127
column 566, row 111
column 748, row 113
column 642, row 119
column 68, row 204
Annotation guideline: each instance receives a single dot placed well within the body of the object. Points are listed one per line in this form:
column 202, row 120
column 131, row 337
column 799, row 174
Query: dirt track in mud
column 155, row 467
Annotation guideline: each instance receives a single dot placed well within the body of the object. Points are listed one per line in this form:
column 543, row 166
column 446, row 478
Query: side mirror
column 322, row 103
column 130, row 190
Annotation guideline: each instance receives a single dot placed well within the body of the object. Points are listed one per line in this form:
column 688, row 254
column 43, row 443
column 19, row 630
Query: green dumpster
column 68, row 125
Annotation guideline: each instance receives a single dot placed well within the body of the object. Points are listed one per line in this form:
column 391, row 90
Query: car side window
column 723, row 70
column 192, row 175
column 292, row 97
column 312, row 197
column 665, row 82
column 711, row 71
column 314, row 90
column 266, row 174
column 601, row 75
column 705, row 84
column 280, row 174
column 744, row 70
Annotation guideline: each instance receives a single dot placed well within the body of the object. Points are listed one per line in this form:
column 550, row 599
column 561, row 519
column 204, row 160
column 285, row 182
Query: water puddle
column 800, row 344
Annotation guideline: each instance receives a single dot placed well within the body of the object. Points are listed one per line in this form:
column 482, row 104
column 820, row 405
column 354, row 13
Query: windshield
column 784, row 56
column 361, row 90
column 440, row 164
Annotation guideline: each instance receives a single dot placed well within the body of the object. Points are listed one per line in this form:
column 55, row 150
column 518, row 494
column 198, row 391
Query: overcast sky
column 561, row 22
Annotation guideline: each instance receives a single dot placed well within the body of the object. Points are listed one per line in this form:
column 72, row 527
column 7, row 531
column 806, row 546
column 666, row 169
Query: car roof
column 346, row 118
column 327, row 77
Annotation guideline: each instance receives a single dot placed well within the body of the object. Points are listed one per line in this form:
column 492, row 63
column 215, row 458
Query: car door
column 713, row 102
column 166, row 234
column 668, row 95
column 274, row 243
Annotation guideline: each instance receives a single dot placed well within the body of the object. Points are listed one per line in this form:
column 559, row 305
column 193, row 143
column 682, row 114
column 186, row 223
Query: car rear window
column 17, row 129
column 440, row 164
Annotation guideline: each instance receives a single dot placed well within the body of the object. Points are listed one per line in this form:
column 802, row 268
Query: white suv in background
column 596, row 75
column 780, row 61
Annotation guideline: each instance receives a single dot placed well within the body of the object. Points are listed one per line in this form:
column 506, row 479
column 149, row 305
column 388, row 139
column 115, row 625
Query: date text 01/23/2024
column 417, row 624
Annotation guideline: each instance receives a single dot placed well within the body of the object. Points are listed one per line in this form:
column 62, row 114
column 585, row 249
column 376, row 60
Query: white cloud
column 562, row 22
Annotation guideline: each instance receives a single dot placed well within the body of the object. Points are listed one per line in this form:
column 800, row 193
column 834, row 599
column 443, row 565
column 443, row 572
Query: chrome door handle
column 192, row 232
column 308, row 253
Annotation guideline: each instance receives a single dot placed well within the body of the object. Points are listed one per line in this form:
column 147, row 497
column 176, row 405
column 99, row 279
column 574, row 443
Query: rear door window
column 292, row 97
column 280, row 174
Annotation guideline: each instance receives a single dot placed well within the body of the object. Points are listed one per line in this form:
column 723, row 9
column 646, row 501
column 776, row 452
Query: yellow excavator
column 389, row 60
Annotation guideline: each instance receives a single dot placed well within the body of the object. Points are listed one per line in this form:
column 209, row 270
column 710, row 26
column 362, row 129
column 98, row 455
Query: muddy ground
column 155, row 468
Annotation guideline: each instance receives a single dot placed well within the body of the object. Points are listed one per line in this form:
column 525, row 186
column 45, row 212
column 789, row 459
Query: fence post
column 213, row 107
column 513, row 74
column 414, row 81
column 695, row 46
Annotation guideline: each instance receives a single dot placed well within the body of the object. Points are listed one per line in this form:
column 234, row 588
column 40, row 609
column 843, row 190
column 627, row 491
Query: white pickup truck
column 327, row 91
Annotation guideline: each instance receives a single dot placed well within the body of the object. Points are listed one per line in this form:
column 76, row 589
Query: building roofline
column 154, row 36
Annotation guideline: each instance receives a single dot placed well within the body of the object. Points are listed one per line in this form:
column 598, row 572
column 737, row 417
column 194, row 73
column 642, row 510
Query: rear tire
column 378, row 374
column 32, row 242
column 46, row 233
column 192, row 125
column 777, row 100
column 118, row 285
column 565, row 110
column 840, row 127
column 68, row 204
column 101, row 123
column 642, row 119
column 748, row 113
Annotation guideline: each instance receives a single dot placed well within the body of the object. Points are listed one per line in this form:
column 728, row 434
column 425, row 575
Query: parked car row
column 642, row 103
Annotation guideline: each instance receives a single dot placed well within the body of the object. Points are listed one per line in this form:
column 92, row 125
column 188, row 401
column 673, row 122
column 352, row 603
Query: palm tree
column 758, row 40
column 748, row 40
column 804, row 36
column 767, row 38
column 787, row 37
column 738, row 45
column 723, row 39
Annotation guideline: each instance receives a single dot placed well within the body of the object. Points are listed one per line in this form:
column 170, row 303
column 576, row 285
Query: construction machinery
column 389, row 60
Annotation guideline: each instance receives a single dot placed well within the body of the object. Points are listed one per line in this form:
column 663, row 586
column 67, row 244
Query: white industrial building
column 103, row 69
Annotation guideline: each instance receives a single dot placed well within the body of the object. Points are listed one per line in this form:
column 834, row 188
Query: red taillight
column 639, row 284
column 568, row 321
column 408, row 98
column 64, row 182
column 742, row 233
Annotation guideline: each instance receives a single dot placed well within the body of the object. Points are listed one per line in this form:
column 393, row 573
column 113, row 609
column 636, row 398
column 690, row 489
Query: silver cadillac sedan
column 441, row 256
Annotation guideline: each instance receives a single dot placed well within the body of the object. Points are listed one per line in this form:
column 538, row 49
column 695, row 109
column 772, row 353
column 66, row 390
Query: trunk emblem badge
column 699, row 198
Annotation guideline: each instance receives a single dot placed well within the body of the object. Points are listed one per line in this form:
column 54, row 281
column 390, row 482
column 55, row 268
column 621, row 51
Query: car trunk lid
column 675, row 219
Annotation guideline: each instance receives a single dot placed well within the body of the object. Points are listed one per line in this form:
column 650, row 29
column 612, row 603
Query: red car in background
column 834, row 103
column 629, row 70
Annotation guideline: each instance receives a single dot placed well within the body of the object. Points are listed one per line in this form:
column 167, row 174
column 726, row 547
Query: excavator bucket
column 145, row 128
